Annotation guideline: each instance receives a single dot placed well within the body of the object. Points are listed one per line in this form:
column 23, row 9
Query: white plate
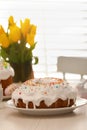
column 54, row 111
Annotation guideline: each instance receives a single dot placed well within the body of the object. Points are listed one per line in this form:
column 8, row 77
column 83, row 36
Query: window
column 61, row 28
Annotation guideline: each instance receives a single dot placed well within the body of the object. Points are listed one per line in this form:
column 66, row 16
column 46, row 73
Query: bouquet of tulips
column 18, row 42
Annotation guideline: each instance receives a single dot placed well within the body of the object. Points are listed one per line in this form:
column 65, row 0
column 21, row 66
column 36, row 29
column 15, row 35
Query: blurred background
column 61, row 29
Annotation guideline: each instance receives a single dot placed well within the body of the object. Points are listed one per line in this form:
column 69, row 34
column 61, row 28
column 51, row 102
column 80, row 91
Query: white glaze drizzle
column 5, row 70
column 49, row 93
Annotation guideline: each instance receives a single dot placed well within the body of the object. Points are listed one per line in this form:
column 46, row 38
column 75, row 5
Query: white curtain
column 61, row 28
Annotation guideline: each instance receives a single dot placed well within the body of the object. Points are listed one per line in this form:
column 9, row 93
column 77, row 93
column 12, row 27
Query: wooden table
column 11, row 119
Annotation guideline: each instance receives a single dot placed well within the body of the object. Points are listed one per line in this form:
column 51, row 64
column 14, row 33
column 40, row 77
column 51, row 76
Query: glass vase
column 23, row 71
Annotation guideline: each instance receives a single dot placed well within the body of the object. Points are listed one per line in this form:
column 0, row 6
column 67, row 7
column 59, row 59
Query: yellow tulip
column 33, row 30
column 30, row 39
column 4, row 41
column 14, row 34
column 1, row 30
column 11, row 21
column 25, row 26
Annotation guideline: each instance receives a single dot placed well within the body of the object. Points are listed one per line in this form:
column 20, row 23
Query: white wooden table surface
column 11, row 119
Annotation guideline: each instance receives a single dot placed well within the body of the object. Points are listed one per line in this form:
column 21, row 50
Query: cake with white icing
column 44, row 93
column 6, row 75
column 10, row 88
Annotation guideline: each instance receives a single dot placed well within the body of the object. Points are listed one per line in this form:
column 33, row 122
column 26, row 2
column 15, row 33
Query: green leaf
column 36, row 60
column 4, row 54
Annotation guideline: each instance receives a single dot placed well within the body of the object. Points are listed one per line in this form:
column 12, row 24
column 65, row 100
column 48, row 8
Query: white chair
column 74, row 65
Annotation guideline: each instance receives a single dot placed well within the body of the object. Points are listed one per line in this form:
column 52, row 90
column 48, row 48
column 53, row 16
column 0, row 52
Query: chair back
column 74, row 65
